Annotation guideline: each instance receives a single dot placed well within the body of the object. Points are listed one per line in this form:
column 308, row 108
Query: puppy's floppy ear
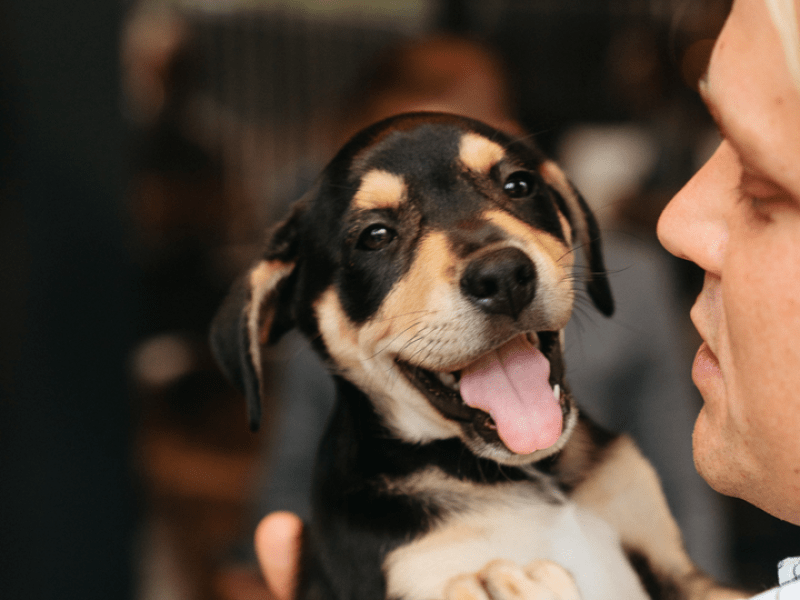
column 255, row 314
column 587, row 235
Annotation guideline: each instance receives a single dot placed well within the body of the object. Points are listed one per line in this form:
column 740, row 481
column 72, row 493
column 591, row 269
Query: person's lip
column 706, row 365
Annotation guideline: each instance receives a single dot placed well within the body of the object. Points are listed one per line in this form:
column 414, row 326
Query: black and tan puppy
column 432, row 269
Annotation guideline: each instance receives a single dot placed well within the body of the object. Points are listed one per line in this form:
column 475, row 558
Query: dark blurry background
column 144, row 149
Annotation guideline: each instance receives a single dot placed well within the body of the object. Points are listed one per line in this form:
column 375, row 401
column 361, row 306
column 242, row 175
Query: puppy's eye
column 376, row 237
column 520, row 184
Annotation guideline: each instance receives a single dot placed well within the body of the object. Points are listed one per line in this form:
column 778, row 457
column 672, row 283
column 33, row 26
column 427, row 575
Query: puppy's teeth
column 449, row 380
column 557, row 391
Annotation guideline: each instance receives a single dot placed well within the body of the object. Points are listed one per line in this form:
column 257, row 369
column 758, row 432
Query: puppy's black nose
column 500, row 282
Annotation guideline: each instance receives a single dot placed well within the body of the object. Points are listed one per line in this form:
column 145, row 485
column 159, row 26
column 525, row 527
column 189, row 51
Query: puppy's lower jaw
column 515, row 384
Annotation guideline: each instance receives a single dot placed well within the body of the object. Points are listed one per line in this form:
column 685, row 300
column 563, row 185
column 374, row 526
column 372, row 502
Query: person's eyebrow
column 726, row 130
column 749, row 158
column 704, row 88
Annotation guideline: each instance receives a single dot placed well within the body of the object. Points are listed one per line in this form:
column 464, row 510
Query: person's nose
column 693, row 225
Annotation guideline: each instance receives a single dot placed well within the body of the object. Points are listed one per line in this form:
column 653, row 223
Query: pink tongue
column 511, row 384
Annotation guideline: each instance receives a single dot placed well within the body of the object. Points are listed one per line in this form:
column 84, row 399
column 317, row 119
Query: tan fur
column 553, row 175
column 490, row 540
column 379, row 189
column 371, row 365
column 426, row 306
column 479, row 154
column 556, row 251
column 625, row 491
column 263, row 279
column 618, row 505
column 514, row 522
column 427, row 288
column 425, row 319
column 553, row 261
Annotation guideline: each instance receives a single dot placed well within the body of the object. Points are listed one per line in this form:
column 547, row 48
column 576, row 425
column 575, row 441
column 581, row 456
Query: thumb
column 277, row 540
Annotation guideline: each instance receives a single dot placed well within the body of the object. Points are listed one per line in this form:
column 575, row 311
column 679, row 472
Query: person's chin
column 708, row 460
column 715, row 454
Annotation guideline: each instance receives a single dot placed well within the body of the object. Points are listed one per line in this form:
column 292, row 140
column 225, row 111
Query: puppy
column 432, row 267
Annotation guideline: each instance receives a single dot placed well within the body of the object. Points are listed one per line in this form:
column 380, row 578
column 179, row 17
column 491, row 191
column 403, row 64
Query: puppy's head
column 432, row 267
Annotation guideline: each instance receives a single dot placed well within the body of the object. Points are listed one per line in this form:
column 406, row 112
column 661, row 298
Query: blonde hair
column 784, row 16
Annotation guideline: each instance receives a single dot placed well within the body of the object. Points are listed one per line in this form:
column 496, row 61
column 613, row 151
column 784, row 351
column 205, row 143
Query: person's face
column 739, row 220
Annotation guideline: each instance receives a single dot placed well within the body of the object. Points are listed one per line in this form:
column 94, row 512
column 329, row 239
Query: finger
column 277, row 542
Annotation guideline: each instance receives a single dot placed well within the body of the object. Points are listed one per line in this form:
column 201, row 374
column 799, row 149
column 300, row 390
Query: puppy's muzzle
column 501, row 282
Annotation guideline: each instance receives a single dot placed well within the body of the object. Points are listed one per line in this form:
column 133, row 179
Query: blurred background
column 145, row 148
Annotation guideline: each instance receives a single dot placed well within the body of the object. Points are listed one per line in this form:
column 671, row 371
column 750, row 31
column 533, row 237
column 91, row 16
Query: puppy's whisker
column 569, row 252
column 481, row 473
column 415, row 337
column 420, row 350
column 394, row 339
column 409, row 344
column 408, row 314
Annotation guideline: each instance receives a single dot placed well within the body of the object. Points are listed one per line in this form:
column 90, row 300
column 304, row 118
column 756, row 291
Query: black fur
column 361, row 510
column 357, row 521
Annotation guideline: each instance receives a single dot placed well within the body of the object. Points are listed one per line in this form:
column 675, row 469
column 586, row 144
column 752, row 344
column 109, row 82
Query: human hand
column 277, row 543
column 505, row 580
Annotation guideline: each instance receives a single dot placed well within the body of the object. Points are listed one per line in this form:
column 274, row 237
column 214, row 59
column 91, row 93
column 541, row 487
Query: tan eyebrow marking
column 380, row 189
column 479, row 154
column 554, row 176
column 553, row 248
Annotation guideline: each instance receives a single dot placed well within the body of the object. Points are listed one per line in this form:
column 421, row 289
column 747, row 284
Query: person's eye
column 761, row 195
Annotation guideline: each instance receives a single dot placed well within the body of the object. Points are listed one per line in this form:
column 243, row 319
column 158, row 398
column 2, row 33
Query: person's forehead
column 750, row 94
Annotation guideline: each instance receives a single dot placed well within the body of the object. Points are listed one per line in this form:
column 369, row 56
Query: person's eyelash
column 758, row 202
column 755, row 207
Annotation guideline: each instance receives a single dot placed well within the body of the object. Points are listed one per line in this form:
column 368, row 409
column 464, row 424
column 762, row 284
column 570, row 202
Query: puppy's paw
column 465, row 587
column 554, row 577
column 505, row 580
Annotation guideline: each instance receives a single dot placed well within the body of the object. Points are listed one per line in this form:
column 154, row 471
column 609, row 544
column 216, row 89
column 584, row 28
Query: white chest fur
column 511, row 521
